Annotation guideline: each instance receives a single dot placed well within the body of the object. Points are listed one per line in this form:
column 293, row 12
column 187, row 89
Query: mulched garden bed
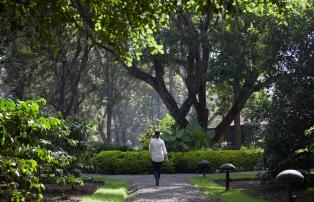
column 67, row 194
column 272, row 193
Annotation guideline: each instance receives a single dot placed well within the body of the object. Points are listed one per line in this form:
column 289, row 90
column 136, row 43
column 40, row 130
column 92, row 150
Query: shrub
column 117, row 162
column 29, row 147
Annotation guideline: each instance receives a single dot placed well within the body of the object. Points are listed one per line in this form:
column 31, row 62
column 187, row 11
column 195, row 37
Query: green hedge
column 117, row 162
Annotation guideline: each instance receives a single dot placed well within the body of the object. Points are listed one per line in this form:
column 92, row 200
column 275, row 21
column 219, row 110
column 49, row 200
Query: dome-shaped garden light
column 204, row 167
column 227, row 167
column 290, row 178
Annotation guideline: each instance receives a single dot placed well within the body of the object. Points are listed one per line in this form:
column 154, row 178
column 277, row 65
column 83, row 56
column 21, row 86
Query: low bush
column 31, row 151
column 117, row 162
column 187, row 162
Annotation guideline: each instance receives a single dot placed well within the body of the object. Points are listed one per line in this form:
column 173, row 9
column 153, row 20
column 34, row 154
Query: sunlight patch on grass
column 218, row 192
column 113, row 191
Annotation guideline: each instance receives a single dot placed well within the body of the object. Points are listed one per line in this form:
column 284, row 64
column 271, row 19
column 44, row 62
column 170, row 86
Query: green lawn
column 113, row 191
column 216, row 191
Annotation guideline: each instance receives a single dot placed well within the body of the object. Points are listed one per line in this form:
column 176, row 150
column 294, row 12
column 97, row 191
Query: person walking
column 158, row 151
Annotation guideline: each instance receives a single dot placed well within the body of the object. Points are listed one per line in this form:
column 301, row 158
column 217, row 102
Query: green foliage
column 310, row 134
column 255, row 111
column 28, row 149
column 117, row 162
column 191, row 138
column 100, row 146
column 126, row 27
column 186, row 162
column 291, row 113
column 80, row 132
column 90, row 149
column 80, row 129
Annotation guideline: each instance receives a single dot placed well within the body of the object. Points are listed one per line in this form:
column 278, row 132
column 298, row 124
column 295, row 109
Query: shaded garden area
column 84, row 85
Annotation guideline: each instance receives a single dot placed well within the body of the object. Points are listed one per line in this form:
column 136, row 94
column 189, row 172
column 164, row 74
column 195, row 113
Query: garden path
column 172, row 188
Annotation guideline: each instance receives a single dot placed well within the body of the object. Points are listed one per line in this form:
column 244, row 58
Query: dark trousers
column 156, row 170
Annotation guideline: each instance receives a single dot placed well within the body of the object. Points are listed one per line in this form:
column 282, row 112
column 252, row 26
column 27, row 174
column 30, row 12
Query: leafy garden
column 32, row 150
column 85, row 84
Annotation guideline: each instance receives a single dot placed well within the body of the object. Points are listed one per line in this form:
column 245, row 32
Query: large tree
column 192, row 27
column 245, row 64
column 291, row 111
column 126, row 28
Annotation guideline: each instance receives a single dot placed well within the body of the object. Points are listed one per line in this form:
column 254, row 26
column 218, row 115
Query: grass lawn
column 216, row 191
column 112, row 190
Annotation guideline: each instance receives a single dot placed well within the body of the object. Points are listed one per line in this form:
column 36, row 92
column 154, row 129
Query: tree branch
column 140, row 74
column 248, row 88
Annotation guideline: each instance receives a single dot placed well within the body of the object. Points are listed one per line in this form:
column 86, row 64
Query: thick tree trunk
column 246, row 91
column 178, row 114
column 171, row 81
column 198, row 57
column 122, row 128
column 236, row 139
column 101, row 126
column 116, row 132
column 236, row 108
column 77, row 103
column 16, row 76
column 76, row 80
column 62, row 88
column 123, row 135
column 158, row 113
column 109, row 121
column 19, row 90
column 200, row 106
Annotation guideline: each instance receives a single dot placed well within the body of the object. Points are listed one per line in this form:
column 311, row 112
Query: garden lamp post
column 290, row 178
column 227, row 167
column 204, row 166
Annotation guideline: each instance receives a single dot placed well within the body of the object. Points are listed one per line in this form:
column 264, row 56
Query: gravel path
column 172, row 187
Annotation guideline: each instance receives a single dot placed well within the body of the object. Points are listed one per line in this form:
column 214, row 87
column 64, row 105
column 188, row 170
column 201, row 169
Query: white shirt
column 157, row 149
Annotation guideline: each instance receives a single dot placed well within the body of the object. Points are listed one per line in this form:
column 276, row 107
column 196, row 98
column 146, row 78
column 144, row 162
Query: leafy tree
column 244, row 65
column 129, row 30
column 191, row 25
column 255, row 113
column 291, row 113
column 54, row 70
column 30, row 146
column 115, row 25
